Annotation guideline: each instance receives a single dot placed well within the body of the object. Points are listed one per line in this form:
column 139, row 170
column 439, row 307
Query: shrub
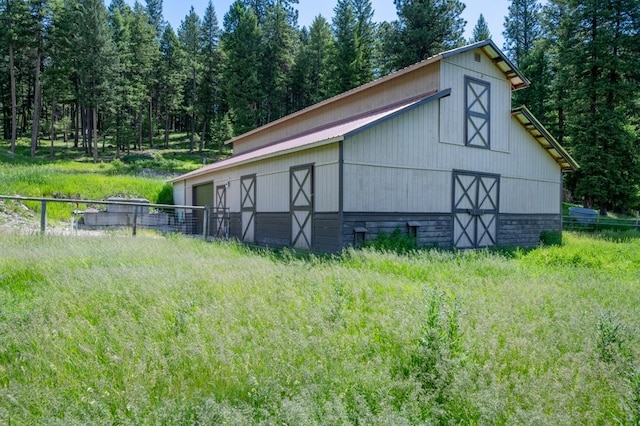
column 394, row 242
column 551, row 238
column 165, row 196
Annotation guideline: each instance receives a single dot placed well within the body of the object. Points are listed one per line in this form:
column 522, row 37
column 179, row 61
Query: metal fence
column 124, row 215
column 597, row 222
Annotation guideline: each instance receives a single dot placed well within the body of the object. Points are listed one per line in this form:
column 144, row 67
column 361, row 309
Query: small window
column 477, row 57
column 412, row 230
column 359, row 236
column 477, row 113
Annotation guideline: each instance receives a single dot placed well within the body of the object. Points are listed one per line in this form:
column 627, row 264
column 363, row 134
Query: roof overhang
column 517, row 79
column 544, row 138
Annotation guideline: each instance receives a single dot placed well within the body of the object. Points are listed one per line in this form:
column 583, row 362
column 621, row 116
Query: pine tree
column 276, row 62
column 242, row 87
column 312, row 71
column 522, row 28
column 96, row 64
column 189, row 35
column 526, row 49
column 427, row 27
column 171, row 93
column 154, row 11
column 603, row 57
column 210, row 93
column 344, row 54
column 480, row 31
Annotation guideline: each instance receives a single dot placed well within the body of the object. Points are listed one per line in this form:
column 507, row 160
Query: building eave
column 544, row 138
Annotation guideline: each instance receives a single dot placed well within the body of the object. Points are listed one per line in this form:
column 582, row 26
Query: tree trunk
column 36, row 108
column 151, row 121
column 53, row 125
column 204, row 132
column 166, row 130
column 94, row 137
column 14, row 102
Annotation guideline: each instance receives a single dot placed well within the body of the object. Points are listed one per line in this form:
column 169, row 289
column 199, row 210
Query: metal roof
column 517, row 79
column 544, row 138
column 317, row 137
column 488, row 47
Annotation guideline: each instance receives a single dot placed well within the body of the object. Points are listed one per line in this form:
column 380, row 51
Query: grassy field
column 112, row 330
column 70, row 174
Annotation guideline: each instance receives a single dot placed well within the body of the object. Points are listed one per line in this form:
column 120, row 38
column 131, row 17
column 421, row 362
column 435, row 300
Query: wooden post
column 205, row 225
column 135, row 220
column 43, row 217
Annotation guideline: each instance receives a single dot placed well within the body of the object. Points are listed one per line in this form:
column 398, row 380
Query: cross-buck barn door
column 301, row 196
column 248, row 207
column 220, row 212
column 475, row 209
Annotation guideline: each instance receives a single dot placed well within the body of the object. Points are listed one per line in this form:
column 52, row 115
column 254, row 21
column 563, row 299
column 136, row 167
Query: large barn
column 434, row 150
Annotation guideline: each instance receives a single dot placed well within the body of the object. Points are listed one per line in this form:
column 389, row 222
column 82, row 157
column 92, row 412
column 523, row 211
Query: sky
column 494, row 12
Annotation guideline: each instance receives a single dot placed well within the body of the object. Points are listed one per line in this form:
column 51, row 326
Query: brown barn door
column 301, row 196
column 475, row 209
column 248, row 207
column 220, row 211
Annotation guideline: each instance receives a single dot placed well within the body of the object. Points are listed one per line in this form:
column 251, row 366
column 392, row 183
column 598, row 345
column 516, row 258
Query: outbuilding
column 434, row 150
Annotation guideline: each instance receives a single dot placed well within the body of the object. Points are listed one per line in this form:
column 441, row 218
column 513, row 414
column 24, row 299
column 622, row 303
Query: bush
column 165, row 196
column 395, row 242
column 551, row 238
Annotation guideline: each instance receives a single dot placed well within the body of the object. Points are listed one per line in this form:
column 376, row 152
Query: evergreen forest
column 86, row 71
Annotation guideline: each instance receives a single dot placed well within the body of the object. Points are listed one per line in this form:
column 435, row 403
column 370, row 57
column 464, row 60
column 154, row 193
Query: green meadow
column 172, row 330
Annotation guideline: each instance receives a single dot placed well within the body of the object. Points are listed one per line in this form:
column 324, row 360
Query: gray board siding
column 235, row 225
column 433, row 229
column 525, row 229
column 273, row 229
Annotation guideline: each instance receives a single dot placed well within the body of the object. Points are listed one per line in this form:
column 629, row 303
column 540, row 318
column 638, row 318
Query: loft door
column 475, row 209
column 248, row 207
column 301, row 206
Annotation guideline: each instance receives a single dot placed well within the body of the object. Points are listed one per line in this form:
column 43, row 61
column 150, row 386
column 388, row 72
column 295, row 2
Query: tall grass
column 73, row 180
column 116, row 330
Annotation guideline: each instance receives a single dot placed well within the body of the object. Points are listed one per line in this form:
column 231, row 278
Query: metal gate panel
column 301, row 207
column 475, row 209
column 248, row 207
column 220, row 213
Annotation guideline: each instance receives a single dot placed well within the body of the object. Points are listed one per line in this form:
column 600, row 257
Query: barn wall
column 272, row 180
column 421, row 81
column 452, row 118
column 400, row 166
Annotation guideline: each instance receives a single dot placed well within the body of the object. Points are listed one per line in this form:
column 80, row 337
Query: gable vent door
column 301, row 208
column 475, row 209
column 248, row 207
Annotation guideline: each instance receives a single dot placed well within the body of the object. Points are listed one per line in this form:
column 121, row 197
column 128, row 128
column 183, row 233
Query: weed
column 439, row 350
column 613, row 338
column 551, row 238
column 633, row 398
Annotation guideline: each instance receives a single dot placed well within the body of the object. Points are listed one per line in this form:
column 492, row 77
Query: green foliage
column 612, row 339
column 480, row 31
column 553, row 238
column 174, row 331
column 426, row 28
column 395, row 241
column 165, row 196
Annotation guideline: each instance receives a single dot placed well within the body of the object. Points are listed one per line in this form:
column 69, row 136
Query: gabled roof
column 517, row 79
column 544, row 138
column 320, row 136
column 513, row 74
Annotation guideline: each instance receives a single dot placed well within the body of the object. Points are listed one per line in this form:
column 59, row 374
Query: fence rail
column 598, row 222
column 136, row 214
